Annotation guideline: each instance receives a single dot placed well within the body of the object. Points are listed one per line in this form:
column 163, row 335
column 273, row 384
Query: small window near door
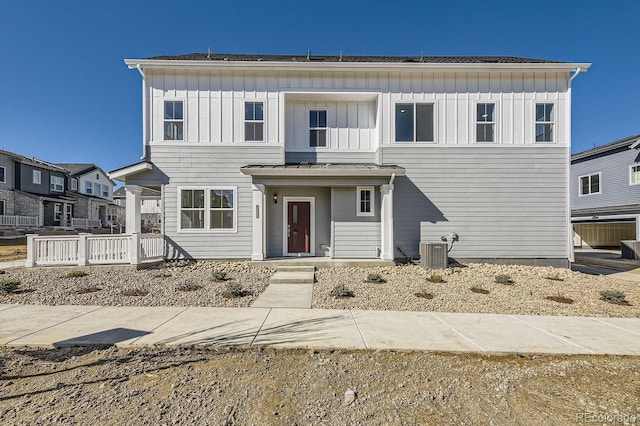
column 317, row 128
column 2, row 207
column 365, row 201
column 57, row 212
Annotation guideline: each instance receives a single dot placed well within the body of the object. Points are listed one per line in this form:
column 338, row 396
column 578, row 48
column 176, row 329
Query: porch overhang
column 123, row 172
column 317, row 170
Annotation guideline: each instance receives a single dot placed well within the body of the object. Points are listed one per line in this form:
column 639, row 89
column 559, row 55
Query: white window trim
column 590, row 193
column 184, row 120
column 86, row 184
column 207, row 210
column 263, row 121
column 554, row 123
column 74, row 184
column 475, row 122
column 631, row 183
column 4, row 174
column 309, row 128
column 51, row 182
column 285, row 222
column 33, row 177
column 359, row 190
column 435, row 122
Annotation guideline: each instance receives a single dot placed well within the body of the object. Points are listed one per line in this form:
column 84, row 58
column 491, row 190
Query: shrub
column 9, row 286
column 233, row 289
column 375, row 278
column 504, row 279
column 479, row 290
column 135, row 292
column 220, row 276
column 614, row 296
column 435, row 278
column 2, row 272
column 76, row 274
column 341, row 290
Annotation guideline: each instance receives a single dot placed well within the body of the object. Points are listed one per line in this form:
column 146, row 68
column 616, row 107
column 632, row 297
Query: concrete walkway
column 289, row 287
column 58, row 326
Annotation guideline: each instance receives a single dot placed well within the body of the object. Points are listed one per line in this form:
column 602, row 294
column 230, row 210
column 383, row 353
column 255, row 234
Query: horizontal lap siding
column 503, row 202
column 357, row 240
column 330, row 157
column 210, row 166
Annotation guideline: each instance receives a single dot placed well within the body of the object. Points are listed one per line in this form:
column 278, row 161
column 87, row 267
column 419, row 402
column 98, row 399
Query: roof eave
column 321, row 172
column 354, row 66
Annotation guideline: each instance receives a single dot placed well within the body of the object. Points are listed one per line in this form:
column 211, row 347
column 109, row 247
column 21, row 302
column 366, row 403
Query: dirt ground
column 13, row 249
column 262, row 387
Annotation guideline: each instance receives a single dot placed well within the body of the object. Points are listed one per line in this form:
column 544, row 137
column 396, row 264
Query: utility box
column 630, row 249
column 434, row 255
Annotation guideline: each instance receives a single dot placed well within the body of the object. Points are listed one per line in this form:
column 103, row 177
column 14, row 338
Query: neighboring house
column 92, row 189
column 605, row 194
column 150, row 211
column 354, row 156
column 31, row 188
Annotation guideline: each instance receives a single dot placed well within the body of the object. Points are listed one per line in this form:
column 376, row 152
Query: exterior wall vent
column 434, row 255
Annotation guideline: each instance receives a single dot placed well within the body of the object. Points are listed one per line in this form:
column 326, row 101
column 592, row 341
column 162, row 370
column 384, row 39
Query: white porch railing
column 18, row 220
column 88, row 249
column 85, row 223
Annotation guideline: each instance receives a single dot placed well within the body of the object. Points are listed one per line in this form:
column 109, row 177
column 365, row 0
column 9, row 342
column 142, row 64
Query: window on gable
column 485, row 122
column 365, row 201
column 208, row 209
column 74, row 184
column 88, row 188
column 37, row 177
column 544, row 122
column 2, row 174
column 253, row 121
column 173, row 121
column 317, row 128
column 57, row 184
column 414, row 123
column 590, row 184
column 634, row 175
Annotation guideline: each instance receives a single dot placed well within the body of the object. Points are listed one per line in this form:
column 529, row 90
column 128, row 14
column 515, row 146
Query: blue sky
column 67, row 96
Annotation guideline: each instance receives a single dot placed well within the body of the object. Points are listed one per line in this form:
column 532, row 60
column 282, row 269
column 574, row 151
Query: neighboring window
column 57, row 212
column 57, row 184
column 485, row 122
column 37, row 177
column 590, row 184
column 544, row 122
column 97, row 176
column 88, row 188
column 2, row 207
column 414, row 123
column 96, row 189
column 634, row 175
column 2, row 173
column 208, row 209
column 173, row 121
column 365, row 201
column 253, row 121
column 74, row 184
column 105, row 191
column 317, row 128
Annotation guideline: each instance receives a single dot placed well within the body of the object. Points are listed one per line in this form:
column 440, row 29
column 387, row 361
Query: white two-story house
column 262, row 156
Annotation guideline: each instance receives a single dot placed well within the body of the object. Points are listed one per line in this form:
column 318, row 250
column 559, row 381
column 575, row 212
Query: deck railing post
column 135, row 248
column 31, row 251
column 83, row 250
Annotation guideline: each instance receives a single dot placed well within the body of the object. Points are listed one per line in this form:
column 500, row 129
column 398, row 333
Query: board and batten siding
column 214, row 104
column 211, row 166
column 615, row 186
column 503, row 202
column 355, row 237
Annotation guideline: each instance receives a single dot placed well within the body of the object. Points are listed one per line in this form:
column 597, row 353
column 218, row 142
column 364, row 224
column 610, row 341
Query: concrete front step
column 292, row 268
column 292, row 278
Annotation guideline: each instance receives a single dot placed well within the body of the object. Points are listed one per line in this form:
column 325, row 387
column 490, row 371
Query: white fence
column 87, row 249
column 85, row 223
column 18, row 220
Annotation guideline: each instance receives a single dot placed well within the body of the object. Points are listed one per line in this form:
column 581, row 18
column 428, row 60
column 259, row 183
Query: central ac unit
column 434, row 255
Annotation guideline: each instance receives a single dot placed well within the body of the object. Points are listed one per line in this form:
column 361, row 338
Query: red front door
column 299, row 227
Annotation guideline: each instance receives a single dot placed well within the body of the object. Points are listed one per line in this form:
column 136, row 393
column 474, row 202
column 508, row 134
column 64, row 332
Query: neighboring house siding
column 9, row 173
column 190, row 166
column 9, row 201
column 614, row 180
column 25, row 177
column 503, row 202
column 355, row 236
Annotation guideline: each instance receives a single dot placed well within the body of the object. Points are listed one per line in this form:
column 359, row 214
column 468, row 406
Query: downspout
column 393, row 177
column 575, row 74
column 144, row 113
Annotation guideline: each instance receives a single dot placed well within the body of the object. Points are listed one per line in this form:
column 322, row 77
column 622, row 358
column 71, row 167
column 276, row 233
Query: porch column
column 132, row 212
column 386, row 222
column 638, row 227
column 258, row 216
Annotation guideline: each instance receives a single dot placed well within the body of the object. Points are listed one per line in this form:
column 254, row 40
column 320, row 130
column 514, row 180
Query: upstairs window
column 317, row 128
column 414, row 123
column 485, row 122
column 37, row 177
column 2, row 174
column 634, row 175
column 173, row 121
column 544, row 122
column 88, row 188
column 74, row 184
column 97, row 188
column 365, row 201
column 590, row 184
column 57, row 184
column 105, row 191
column 253, row 121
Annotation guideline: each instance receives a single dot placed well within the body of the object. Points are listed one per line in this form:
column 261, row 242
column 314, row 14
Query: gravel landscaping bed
column 525, row 295
column 51, row 286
